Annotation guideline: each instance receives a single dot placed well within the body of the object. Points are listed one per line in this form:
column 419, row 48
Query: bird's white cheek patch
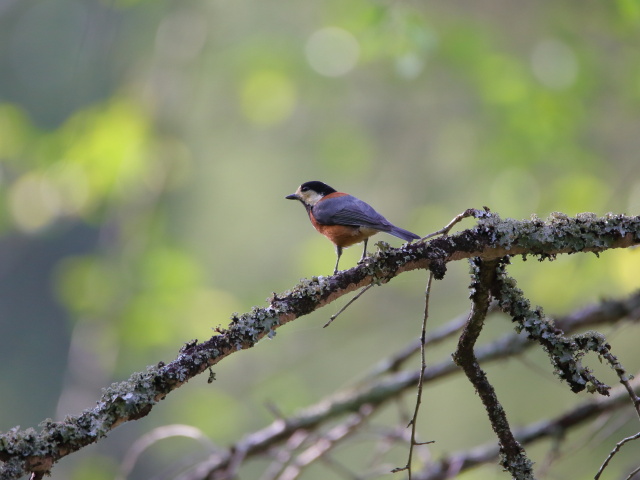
column 311, row 198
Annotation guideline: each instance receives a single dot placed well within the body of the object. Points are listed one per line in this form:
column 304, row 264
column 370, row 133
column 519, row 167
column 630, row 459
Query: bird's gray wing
column 348, row 210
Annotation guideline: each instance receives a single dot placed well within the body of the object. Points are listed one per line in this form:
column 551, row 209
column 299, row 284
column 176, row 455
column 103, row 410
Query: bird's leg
column 338, row 252
column 364, row 251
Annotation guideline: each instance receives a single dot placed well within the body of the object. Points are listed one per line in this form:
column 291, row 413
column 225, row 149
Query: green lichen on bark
column 565, row 352
column 560, row 233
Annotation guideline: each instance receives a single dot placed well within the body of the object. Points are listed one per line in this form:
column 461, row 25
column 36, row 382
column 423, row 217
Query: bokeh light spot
column 332, row 51
column 554, row 64
column 508, row 88
column 34, row 202
column 409, row 66
column 268, row 97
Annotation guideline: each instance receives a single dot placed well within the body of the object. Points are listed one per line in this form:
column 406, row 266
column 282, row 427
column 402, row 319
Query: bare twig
column 624, row 378
column 356, row 297
column 423, row 366
column 615, row 450
column 633, row 473
column 470, row 212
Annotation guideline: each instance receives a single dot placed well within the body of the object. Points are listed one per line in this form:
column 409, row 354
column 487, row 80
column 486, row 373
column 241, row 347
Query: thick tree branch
column 513, row 456
column 30, row 451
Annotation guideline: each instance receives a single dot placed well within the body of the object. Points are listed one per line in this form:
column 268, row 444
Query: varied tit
column 342, row 218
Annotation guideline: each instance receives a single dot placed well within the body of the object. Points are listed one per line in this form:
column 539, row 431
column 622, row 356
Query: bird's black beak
column 293, row 196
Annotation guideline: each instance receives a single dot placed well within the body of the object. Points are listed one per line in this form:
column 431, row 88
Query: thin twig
column 335, row 315
column 423, row 366
column 470, row 212
column 624, row 379
column 615, row 450
column 630, row 476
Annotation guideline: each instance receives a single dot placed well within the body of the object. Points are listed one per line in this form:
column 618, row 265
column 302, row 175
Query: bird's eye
column 304, row 189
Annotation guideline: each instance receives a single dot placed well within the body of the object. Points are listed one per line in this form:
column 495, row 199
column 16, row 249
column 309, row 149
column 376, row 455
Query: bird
column 344, row 219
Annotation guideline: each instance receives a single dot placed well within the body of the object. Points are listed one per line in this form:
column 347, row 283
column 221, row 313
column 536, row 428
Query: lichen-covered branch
column 37, row 451
column 513, row 456
column 565, row 352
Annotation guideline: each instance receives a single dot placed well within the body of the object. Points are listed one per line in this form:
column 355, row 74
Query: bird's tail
column 406, row 235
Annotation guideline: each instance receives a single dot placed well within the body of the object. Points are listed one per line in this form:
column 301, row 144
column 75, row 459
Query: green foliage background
column 146, row 149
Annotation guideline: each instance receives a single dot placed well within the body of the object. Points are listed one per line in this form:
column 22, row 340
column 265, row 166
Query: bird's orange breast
column 343, row 235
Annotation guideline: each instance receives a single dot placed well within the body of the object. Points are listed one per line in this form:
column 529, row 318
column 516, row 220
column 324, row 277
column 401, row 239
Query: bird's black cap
column 319, row 187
